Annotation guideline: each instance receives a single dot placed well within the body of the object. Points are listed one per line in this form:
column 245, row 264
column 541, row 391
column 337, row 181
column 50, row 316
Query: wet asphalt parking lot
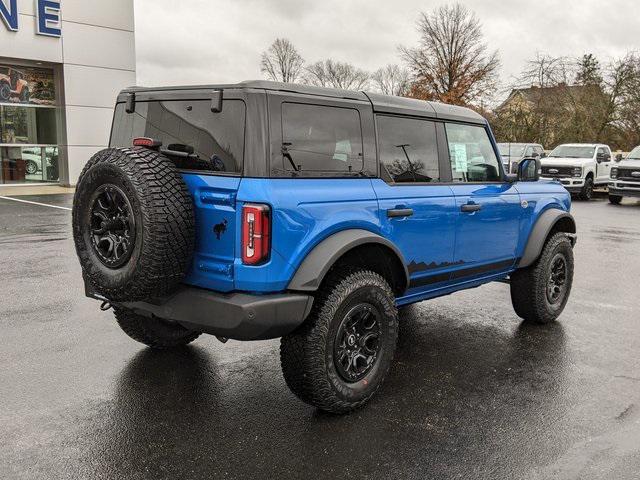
column 473, row 393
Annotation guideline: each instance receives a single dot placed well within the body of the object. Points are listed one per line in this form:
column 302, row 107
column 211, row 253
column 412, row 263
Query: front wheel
column 154, row 332
column 31, row 167
column 540, row 292
column 587, row 190
column 615, row 199
column 5, row 92
column 340, row 356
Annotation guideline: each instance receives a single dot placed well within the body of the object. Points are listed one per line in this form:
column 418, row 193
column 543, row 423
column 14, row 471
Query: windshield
column 569, row 151
column 634, row 154
column 511, row 149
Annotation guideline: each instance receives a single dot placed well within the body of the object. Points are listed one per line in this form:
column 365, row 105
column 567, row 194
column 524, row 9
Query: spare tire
column 133, row 224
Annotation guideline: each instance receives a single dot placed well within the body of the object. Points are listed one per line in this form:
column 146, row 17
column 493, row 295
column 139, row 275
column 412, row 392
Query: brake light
column 256, row 232
column 146, row 142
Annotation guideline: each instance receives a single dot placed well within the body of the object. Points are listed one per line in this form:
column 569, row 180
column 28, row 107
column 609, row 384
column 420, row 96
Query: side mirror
column 529, row 170
column 600, row 157
column 619, row 157
column 543, row 155
column 607, row 157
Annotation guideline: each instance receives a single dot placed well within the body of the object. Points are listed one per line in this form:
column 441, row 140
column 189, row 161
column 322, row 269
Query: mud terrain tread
column 150, row 332
column 303, row 353
column 168, row 225
column 528, row 285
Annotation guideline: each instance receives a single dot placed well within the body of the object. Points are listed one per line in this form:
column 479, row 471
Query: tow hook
column 105, row 306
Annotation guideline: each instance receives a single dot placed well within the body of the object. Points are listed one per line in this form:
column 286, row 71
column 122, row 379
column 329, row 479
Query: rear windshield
column 192, row 135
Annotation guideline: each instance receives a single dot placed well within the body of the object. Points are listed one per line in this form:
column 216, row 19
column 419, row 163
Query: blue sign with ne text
column 48, row 20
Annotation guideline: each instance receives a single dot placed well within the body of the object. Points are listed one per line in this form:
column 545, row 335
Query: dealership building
column 61, row 67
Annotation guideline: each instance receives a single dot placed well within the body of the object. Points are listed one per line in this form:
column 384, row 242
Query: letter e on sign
column 48, row 20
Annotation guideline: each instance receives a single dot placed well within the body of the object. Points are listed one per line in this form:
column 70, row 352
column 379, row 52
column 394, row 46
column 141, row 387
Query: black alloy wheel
column 112, row 226
column 357, row 342
column 556, row 285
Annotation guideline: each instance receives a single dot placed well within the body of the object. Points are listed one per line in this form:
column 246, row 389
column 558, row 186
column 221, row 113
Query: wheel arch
column 550, row 221
column 346, row 247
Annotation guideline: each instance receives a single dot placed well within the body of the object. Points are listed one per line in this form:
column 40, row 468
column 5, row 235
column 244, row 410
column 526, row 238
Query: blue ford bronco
column 264, row 210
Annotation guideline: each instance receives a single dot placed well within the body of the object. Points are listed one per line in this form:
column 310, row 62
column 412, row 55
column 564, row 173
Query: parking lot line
column 34, row 203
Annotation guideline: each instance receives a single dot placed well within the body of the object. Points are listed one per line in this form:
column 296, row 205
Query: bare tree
column 392, row 80
column 282, row 62
column 452, row 63
column 330, row 73
column 546, row 71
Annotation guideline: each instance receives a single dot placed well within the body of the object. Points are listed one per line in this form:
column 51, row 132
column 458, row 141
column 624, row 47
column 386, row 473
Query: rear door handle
column 470, row 207
column 399, row 212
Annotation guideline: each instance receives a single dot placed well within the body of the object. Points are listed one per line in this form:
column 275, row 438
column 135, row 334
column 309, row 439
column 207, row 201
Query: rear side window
column 320, row 139
column 471, row 154
column 193, row 136
column 408, row 149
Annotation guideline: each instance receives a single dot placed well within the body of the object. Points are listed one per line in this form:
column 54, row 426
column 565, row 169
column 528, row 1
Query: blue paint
column 445, row 249
column 9, row 14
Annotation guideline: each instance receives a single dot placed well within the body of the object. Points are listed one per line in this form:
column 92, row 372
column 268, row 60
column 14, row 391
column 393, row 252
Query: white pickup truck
column 625, row 178
column 579, row 167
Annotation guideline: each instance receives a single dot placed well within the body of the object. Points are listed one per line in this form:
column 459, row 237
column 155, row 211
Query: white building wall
column 97, row 53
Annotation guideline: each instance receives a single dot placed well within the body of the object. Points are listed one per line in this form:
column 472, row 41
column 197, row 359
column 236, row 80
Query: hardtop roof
column 381, row 103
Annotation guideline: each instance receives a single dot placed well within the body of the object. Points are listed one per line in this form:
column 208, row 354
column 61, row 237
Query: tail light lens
column 256, row 233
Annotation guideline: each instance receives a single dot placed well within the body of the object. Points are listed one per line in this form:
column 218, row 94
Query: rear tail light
column 256, row 233
column 147, row 142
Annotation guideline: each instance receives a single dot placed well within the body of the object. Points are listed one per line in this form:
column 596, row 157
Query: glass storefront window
column 28, row 125
column 29, row 164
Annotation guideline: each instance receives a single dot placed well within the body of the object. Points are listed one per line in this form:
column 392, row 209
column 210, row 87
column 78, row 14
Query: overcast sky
column 216, row 41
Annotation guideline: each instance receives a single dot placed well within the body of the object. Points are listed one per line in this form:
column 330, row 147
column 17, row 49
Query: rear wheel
column 154, row 332
column 587, row 190
column 615, row 199
column 540, row 292
column 339, row 358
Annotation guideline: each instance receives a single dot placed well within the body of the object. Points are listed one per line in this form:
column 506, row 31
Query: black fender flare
column 321, row 258
column 540, row 232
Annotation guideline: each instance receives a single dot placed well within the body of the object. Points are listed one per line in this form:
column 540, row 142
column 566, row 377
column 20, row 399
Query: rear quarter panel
column 304, row 212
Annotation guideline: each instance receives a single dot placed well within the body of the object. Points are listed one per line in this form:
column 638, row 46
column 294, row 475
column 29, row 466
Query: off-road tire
column 529, row 285
column 307, row 355
column 615, row 199
column 164, row 224
column 587, row 189
column 153, row 332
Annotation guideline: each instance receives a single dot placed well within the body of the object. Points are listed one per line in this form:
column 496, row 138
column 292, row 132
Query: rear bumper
column 240, row 316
